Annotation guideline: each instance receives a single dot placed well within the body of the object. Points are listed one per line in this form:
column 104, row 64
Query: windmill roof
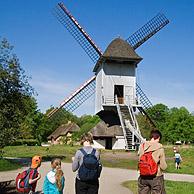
column 102, row 130
column 63, row 130
column 119, row 50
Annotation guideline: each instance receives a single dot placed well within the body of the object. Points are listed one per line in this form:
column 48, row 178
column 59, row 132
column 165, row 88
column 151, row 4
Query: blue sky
column 57, row 64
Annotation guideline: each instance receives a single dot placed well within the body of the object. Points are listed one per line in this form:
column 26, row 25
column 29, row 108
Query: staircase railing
column 122, row 122
column 134, row 127
column 134, row 131
column 133, row 118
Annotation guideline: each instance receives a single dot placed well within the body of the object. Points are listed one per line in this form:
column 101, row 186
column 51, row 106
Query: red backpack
column 22, row 181
column 147, row 165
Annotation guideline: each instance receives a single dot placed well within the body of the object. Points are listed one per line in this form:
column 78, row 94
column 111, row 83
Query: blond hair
column 58, row 177
column 86, row 137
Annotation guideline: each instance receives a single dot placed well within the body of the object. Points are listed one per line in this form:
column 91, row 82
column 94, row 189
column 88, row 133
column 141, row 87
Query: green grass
column 65, row 152
column 109, row 158
column 115, row 159
column 7, row 165
column 172, row 187
column 187, row 166
column 187, row 154
column 120, row 163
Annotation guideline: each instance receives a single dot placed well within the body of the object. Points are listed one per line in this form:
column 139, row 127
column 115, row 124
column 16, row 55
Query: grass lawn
column 65, row 152
column 7, row 165
column 109, row 158
column 187, row 166
column 187, row 154
column 172, row 187
column 119, row 159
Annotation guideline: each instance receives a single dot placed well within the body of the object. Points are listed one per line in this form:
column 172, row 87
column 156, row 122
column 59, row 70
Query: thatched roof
column 63, row 130
column 119, row 50
column 102, row 130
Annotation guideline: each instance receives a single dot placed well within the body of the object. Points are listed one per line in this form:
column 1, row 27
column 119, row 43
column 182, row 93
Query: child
column 178, row 159
column 54, row 180
column 34, row 176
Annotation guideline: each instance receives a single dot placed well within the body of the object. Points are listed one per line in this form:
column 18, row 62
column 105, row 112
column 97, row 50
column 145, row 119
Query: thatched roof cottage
column 106, row 137
column 63, row 132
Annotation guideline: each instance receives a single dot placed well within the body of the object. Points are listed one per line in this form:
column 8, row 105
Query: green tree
column 14, row 90
column 35, row 124
column 159, row 114
column 60, row 117
column 86, row 123
column 144, row 125
column 180, row 126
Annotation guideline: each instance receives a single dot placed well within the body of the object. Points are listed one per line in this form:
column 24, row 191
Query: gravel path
column 110, row 181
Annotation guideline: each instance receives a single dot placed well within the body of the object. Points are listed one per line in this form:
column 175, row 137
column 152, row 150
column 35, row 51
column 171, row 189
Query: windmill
column 117, row 105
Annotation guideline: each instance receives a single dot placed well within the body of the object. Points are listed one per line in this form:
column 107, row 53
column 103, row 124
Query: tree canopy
column 176, row 124
column 15, row 94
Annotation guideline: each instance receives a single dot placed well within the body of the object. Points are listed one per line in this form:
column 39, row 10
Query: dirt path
column 110, row 181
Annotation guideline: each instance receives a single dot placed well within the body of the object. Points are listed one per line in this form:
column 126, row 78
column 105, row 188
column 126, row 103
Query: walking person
column 87, row 163
column 26, row 181
column 178, row 159
column 54, row 180
column 151, row 165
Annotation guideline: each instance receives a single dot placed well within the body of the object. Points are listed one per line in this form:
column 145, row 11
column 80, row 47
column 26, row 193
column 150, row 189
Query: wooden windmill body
column 116, row 86
column 116, row 76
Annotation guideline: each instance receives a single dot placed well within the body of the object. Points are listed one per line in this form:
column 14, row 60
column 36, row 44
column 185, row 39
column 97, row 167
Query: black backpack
column 91, row 168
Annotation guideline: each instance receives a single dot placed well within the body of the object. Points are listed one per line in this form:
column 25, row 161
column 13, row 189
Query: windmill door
column 108, row 143
column 118, row 91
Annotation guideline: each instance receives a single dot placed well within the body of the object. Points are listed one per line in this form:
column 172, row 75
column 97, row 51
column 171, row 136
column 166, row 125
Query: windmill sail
column 148, row 30
column 71, row 24
column 77, row 98
column 145, row 104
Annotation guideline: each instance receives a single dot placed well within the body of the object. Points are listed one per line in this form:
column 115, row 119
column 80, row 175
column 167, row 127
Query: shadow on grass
column 27, row 161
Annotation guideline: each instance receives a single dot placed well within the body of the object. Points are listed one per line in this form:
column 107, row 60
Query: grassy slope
column 172, row 187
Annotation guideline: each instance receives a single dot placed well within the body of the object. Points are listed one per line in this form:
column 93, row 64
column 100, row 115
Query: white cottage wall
column 99, row 144
column 119, row 143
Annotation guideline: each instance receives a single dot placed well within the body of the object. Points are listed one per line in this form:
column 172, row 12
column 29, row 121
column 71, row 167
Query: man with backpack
column 86, row 161
column 151, row 165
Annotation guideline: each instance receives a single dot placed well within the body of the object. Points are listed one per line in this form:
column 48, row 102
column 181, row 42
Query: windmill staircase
column 129, row 125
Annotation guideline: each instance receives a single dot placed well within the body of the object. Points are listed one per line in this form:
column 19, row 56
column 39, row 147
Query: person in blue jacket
column 54, row 181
